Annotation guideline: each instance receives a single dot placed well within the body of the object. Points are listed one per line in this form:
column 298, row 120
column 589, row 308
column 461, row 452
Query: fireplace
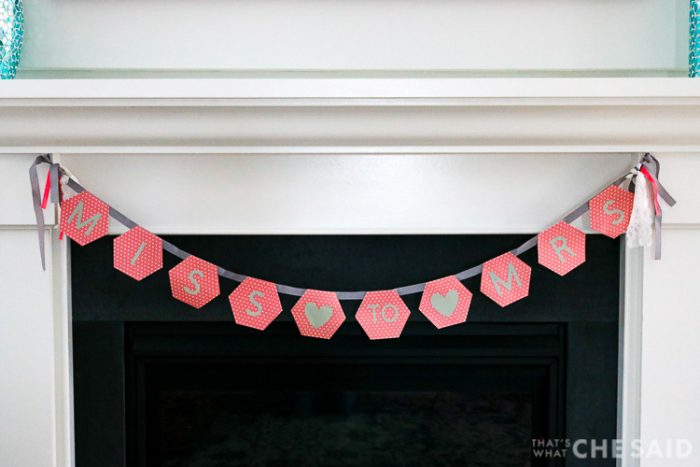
column 160, row 384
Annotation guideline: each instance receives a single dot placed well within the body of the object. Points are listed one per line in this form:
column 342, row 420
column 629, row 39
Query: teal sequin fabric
column 694, row 53
column 11, row 34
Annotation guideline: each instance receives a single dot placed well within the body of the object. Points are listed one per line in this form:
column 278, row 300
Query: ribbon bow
column 650, row 168
column 52, row 188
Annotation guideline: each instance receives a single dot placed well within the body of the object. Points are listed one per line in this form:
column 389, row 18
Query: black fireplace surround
column 157, row 383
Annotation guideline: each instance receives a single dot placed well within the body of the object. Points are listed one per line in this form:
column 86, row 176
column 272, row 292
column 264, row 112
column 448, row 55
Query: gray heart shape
column 445, row 304
column 317, row 316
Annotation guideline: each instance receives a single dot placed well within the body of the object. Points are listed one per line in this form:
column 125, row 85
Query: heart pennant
column 445, row 302
column 318, row 314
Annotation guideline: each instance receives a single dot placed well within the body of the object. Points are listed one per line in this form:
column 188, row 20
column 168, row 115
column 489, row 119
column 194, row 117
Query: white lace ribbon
column 640, row 232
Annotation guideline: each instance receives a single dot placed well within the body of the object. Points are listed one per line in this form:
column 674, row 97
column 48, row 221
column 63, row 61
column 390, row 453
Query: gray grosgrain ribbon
column 281, row 288
column 36, row 198
column 653, row 168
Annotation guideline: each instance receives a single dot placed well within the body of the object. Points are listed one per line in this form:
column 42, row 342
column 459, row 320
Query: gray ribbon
column 36, row 201
column 653, row 167
column 282, row 288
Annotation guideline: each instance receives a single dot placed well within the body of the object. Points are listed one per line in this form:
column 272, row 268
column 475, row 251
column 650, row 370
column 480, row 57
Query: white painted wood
column 670, row 406
column 16, row 196
column 679, row 173
column 28, row 389
column 358, row 35
column 630, row 355
column 431, row 116
column 346, row 194
column 372, row 190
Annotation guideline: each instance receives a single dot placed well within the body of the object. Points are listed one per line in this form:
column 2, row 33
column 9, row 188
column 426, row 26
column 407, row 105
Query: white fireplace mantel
column 530, row 139
column 342, row 115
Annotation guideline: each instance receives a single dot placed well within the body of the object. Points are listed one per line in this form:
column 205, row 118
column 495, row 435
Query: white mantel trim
column 351, row 116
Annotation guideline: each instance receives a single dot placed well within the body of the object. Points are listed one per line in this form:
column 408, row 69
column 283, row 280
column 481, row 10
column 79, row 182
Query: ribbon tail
column 657, row 237
column 53, row 173
column 36, row 200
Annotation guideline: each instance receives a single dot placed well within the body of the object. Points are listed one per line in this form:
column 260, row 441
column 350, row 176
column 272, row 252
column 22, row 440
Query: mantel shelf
column 351, row 115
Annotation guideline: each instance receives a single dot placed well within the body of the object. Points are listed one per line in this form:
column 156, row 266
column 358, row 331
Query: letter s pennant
column 194, row 281
column 255, row 303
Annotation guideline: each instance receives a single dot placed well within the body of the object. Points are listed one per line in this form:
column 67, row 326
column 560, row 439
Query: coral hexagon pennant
column 84, row 218
column 610, row 211
column 561, row 248
column 382, row 314
column 445, row 302
column 138, row 253
column 255, row 303
column 318, row 314
column 194, row 281
column 505, row 279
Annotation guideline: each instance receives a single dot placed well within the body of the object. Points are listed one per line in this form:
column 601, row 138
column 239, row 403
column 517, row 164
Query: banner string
column 55, row 170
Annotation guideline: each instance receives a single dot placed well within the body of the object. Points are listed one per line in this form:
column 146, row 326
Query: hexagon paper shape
column 445, row 302
column 382, row 314
column 138, row 253
column 255, row 303
column 561, row 248
column 318, row 314
column 194, row 281
column 610, row 211
column 84, row 218
column 505, row 279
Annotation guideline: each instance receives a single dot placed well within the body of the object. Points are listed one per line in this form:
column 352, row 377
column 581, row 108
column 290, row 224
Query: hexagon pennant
column 84, row 218
column 561, row 248
column 382, row 314
column 505, row 279
column 318, row 314
column 138, row 253
column 445, row 302
column 255, row 303
column 194, row 281
column 610, row 211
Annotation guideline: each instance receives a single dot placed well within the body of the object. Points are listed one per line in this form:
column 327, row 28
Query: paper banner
column 505, row 279
column 445, row 302
column 255, row 303
column 610, row 211
column 138, row 253
column 84, row 218
column 561, row 248
column 318, row 314
column 194, row 281
column 382, row 314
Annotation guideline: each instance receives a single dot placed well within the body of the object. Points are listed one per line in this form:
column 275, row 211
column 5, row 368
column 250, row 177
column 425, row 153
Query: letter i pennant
column 194, row 281
column 138, row 253
column 255, row 303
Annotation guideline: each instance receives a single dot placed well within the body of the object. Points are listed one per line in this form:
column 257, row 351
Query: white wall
column 502, row 35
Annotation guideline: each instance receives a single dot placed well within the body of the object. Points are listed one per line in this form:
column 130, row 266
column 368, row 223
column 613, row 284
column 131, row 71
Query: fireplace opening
column 157, row 383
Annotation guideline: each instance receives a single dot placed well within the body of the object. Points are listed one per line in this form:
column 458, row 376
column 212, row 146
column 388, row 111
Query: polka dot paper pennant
column 610, row 211
column 445, row 302
column 318, row 314
column 561, row 248
column 505, row 279
column 382, row 314
column 255, row 303
column 84, row 218
column 138, row 253
column 194, row 281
